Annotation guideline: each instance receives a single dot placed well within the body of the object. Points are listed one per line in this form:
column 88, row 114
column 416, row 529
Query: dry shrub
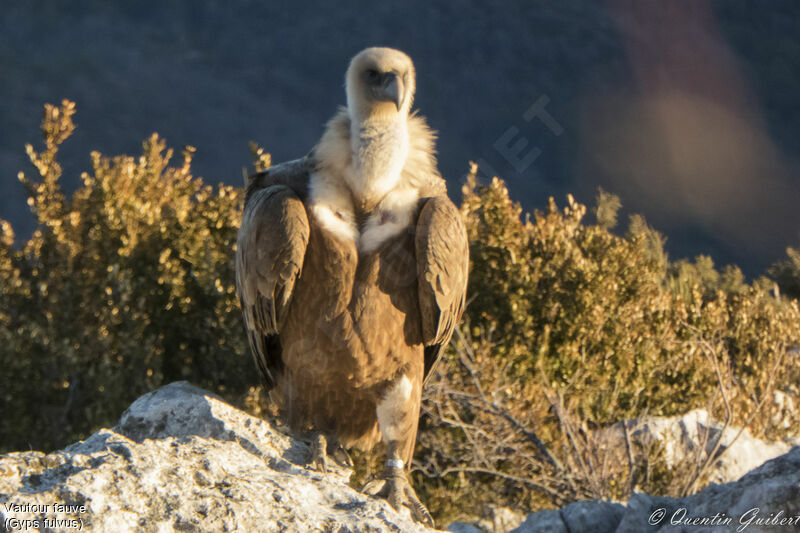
column 124, row 287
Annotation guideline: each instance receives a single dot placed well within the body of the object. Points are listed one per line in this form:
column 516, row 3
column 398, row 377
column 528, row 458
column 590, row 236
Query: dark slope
column 216, row 75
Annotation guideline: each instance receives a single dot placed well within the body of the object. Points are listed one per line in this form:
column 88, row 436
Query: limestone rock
column 181, row 459
column 597, row 517
column 685, row 438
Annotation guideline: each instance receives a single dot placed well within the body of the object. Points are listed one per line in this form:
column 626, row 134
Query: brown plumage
column 352, row 268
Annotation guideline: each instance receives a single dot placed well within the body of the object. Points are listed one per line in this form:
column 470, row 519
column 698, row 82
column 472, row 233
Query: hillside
column 216, row 77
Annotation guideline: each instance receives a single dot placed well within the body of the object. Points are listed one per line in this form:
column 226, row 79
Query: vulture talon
column 395, row 488
column 341, row 456
column 319, row 454
column 322, row 452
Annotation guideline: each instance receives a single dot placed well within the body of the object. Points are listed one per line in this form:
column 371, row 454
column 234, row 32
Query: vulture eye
column 373, row 75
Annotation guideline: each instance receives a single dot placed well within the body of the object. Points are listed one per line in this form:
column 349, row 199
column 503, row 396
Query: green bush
column 787, row 273
column 123, row 288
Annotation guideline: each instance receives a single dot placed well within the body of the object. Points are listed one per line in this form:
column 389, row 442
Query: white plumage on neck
column 380, row 150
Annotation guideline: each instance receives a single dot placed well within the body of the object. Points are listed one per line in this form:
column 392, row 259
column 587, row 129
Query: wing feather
column 442, row 270
column 270, row 250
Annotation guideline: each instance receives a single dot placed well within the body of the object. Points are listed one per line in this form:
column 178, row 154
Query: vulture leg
column 394, row 486
column 398, row 416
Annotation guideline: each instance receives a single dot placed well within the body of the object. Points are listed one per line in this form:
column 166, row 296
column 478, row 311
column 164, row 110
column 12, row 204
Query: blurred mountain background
column 687, row 110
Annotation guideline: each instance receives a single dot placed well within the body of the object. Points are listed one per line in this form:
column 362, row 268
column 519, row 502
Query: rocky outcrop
column 687, row 438
column 181, row 459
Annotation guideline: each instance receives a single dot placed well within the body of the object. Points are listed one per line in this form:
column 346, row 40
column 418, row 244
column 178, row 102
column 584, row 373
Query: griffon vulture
column 351, row 268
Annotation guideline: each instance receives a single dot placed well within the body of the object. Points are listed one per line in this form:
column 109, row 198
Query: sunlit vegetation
column 572, row 325
column 124, row 287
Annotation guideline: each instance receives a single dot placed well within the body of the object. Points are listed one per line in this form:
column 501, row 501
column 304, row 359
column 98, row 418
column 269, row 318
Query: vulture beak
column 391, row 88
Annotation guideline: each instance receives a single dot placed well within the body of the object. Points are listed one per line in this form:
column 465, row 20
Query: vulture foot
column 321, row 451
column 397, row 490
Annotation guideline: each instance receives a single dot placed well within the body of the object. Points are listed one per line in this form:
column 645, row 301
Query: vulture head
column 380, row 83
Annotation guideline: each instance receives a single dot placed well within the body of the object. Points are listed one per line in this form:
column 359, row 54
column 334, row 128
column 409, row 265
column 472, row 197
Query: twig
column 629, row 451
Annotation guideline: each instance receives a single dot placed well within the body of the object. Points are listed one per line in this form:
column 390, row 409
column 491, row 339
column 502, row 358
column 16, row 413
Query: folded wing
column 271, row 246
column 442, row 269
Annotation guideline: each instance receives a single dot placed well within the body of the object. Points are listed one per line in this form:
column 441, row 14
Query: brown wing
column 442, row 269
column 269, row 257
